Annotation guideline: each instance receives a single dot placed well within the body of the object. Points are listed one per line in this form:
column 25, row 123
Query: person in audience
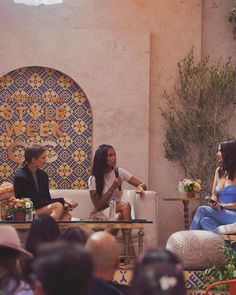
column 62, row 268
column 104, row 250
column 154, row 255
column 222, row 209
column 105, row 183
column 43, row 229
column 74, row 235
column 158, row 272
column 158, row 278
column 11, row 281
column 32, row 182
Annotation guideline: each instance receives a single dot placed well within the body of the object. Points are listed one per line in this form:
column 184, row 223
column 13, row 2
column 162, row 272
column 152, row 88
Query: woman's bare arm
column 229, row 206
column 140, row 187
column 99, row 202
column 213, row 193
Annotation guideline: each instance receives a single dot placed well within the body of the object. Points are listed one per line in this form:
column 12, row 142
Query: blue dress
column 208, row 218
column 227, row 195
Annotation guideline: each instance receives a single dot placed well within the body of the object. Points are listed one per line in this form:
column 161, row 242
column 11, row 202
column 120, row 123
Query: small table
column 185, row 202
column 125, row 225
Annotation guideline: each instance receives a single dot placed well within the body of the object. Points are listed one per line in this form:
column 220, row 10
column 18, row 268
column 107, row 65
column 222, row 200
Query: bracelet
column 144, row 187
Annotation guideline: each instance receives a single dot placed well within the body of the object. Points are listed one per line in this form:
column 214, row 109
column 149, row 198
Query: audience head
column 154, row 255
column 44, row 228
column 62, row 268
column 158, row 272
column 101, row 164
column 158, row 278
column 33, row 153
column 227, row 150
column 10, row 252
column 104, row 250
column 74, row 234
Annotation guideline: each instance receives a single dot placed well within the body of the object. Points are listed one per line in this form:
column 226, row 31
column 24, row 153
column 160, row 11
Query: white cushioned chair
column 144, row 207
column 227, row 229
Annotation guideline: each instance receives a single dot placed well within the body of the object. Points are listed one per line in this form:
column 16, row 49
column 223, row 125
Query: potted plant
column 19, row 209
column 225, row 271
column 190, row 187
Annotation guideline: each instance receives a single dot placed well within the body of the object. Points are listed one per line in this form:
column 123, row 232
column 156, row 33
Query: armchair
column 142, row 207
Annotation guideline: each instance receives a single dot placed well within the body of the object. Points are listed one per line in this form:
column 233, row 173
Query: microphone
column 117, row 175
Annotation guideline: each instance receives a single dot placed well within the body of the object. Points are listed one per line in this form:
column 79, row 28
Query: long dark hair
column 99, row 168
column 43, row 229
column 9, row 270
column 33, row 151
column 228, row 166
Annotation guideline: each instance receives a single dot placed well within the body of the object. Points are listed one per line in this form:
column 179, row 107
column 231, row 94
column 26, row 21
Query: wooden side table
column 185, row 202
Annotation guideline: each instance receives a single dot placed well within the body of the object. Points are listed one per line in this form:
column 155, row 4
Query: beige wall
column 124, row 54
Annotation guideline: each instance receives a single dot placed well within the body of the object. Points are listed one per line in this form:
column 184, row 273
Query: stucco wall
column 124, row 54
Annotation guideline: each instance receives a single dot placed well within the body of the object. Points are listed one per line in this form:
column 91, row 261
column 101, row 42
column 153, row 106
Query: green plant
column 223, row 271
column 232, row 19
column 197, row 115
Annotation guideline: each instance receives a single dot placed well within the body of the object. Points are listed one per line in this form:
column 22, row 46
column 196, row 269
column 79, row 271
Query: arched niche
column 43, row 105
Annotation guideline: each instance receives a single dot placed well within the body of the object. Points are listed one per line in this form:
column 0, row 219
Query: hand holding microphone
column 118, row 180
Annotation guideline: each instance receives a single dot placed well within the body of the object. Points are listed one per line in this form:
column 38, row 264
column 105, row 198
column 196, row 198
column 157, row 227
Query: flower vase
column 190, row 195
column 19, row 215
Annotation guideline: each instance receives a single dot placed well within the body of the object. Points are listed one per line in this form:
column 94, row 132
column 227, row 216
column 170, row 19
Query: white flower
column 5, row 183
column 167, row 282
column 28, row 205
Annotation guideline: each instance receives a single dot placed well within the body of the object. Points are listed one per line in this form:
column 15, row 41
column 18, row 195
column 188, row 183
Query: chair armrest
column 227, row 229
column 146, row 207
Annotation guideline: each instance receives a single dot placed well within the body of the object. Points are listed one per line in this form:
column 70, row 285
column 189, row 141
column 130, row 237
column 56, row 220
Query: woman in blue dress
column 223, row 210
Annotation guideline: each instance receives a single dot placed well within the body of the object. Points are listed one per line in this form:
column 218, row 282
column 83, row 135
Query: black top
column 100, row 287
column 25, row 187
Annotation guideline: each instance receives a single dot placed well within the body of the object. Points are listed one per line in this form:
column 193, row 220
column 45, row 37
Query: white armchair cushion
column 142, row 207
column 227, row 229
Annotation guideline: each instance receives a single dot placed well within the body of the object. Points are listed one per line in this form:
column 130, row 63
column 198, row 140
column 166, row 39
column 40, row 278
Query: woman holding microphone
column 105, row 183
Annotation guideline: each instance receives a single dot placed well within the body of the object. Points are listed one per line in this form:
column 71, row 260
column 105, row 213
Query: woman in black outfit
column 32, row 182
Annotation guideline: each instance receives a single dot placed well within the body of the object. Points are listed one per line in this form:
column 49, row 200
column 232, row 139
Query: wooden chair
column 231, row 283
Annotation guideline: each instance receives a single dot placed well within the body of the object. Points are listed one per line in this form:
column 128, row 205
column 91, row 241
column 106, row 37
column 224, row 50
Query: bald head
column 104, row 249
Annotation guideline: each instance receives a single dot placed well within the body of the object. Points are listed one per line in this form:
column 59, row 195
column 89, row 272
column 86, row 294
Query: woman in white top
column 106, row 183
